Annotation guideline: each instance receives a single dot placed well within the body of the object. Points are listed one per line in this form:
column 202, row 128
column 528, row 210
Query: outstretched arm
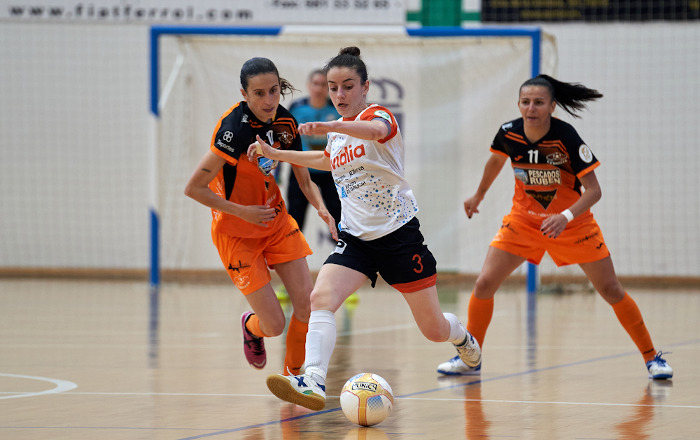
column 373, row 130
column 309, row 159
column 491, row 170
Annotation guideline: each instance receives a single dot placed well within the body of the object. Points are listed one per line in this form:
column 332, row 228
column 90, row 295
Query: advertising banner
column 208, row 12
column 507, row 11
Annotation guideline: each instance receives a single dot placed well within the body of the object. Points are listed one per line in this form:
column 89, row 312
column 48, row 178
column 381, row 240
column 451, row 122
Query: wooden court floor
column 112, row 361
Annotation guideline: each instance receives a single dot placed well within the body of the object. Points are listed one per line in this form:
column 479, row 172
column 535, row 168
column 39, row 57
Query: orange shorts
column 248, row 260
column 579, row 243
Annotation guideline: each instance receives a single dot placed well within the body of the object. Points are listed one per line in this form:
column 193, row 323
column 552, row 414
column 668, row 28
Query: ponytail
column 572, row 97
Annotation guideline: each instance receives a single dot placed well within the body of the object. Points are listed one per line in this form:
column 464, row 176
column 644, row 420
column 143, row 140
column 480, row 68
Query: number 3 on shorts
column 419, row 263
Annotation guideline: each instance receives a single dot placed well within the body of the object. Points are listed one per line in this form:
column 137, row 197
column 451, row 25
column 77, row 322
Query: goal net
column 450, row 93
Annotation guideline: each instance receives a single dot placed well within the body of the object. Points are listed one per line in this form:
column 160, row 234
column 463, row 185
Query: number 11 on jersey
column 532, row 155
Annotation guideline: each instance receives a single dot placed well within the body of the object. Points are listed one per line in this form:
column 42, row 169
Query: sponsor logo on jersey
column 537, row 177
column 266, row 165
column 244, row 119
column 544, row 198
column 507, row 126
column 557, row 158
column 585, row 153
column 521, row 175
column 383, row 114
column 225, row 146
column 227, row 137
column 347, row 155
column 356, row 170
column 352, row 186
column 285, row 137
column 544, row 177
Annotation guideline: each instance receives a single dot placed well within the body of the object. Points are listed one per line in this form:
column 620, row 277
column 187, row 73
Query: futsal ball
column 366, row 399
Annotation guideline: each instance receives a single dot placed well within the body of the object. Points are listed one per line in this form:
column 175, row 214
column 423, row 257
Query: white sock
column 458, row 333
column 320, row 342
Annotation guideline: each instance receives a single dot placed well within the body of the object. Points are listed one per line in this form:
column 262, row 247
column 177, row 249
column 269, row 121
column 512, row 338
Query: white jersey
column 375, row 198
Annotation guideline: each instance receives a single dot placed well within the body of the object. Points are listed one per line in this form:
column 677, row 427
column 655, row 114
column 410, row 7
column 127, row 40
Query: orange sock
column 631, row 319
column 253, row 326
column 296, row 341
column 479, row 316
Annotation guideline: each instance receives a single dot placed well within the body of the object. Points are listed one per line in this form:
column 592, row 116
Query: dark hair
column 258, row 66
column 316, row 72
column 349, row 57
column 569, row 96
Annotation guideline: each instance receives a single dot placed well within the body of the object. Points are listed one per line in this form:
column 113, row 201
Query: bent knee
column 273, row 328
column 434, row 334
column 612, row 292
column 434, row 337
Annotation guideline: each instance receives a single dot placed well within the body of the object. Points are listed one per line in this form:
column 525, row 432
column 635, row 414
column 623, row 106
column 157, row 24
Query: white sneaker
column 469, row 351
column 455, row 367
column 659, row 368
column 301, row 390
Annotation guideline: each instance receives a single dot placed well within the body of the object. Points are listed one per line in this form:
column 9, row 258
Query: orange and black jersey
column 242, row 181
column 546, row 172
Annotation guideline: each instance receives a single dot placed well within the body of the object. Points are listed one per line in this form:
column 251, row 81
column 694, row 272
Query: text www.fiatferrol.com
column 129, row 13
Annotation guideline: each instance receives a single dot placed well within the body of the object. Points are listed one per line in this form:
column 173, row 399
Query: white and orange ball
column 366, row 399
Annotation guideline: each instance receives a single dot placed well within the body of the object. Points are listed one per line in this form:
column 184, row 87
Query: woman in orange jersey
column 550, row 212
column 379, row 231
column 251, row 227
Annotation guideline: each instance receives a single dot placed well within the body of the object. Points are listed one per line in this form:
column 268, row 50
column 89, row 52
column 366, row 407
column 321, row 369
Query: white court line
column 526, row 402
column 61, row 386
column 551, row 403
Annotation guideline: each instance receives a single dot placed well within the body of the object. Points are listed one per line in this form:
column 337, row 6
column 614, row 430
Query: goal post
column 450, row 89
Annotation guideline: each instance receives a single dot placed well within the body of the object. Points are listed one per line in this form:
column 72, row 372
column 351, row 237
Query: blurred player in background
column 550, row 213
column 379, row 233
column 251, row 228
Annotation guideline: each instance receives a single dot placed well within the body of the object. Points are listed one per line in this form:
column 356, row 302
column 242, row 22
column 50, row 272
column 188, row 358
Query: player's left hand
column 554, row 225
column 314, row 128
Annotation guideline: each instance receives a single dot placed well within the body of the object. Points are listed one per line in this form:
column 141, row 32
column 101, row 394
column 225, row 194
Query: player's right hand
column 470, row 206
column 259, row 215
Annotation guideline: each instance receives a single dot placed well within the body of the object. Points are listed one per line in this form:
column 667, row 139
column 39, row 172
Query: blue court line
column 473, row 382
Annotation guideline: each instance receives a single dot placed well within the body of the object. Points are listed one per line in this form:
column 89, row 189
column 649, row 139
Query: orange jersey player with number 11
column 251, row 228
column 550, row 213
column 379, row 233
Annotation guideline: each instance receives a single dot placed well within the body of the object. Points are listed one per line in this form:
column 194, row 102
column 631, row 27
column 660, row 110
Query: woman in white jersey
column 379, row 233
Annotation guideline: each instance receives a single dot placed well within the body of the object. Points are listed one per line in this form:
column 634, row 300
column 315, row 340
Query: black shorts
column 400, row 258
